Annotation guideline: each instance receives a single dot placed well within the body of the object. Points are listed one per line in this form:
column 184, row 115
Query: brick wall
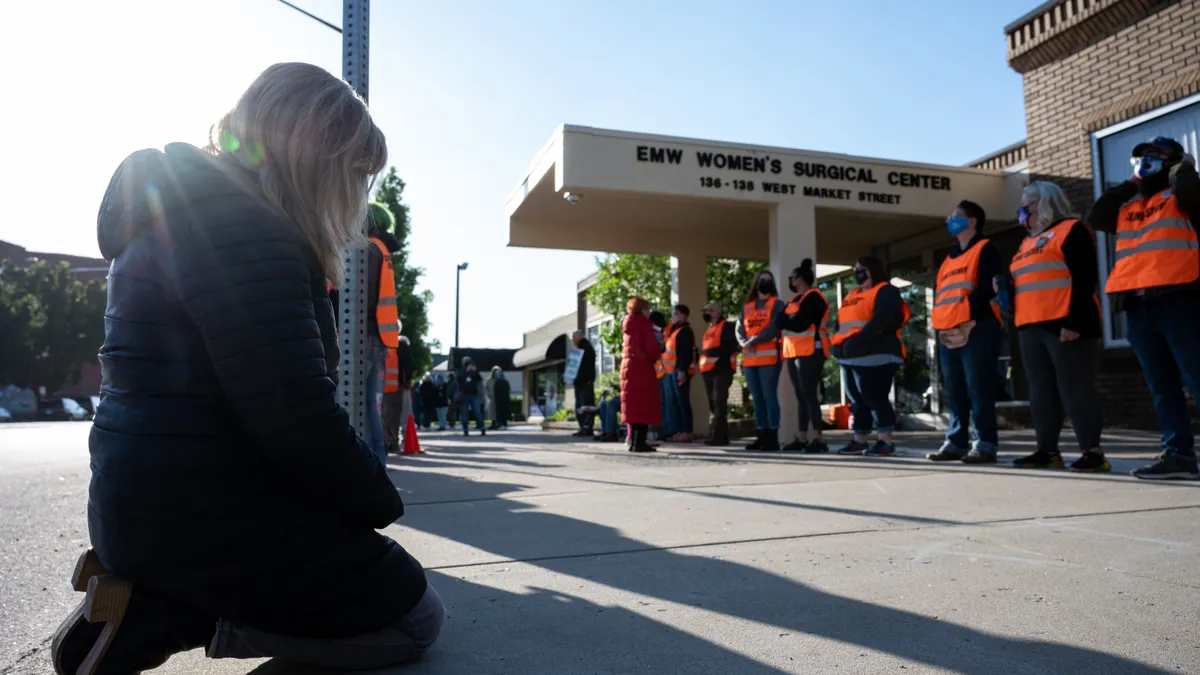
column 1130, row 70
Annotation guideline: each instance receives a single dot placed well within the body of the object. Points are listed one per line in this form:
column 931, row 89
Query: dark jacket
column 728, row 347
column 587, row 367
column 374, row 268
column 469, row 382
column 225, row 475
column 640, row 400
column 429, row 396
column 451, row 389
column 878, row 336
column 991, row 265
column 404, row 359
column 1104, row 214
column 503, row 392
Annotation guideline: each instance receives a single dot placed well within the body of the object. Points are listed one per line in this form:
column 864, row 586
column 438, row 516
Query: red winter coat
column 640, row 402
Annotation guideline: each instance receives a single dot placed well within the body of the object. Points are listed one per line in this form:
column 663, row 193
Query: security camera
column 572, row 197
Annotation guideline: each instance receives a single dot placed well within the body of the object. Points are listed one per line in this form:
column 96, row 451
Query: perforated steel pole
column 352, row 313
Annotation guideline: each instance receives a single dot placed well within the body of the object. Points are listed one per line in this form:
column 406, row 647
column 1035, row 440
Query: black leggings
column 805, row 373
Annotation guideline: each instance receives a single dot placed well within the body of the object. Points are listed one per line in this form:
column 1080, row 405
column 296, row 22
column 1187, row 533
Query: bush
column 517, row 407
column 610, row 381
column 560, row 416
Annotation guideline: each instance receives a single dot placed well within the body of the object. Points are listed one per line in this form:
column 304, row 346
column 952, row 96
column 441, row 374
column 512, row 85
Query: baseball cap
column 1168, row 145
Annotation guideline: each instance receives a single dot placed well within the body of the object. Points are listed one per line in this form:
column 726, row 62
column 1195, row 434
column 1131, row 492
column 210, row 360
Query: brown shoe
column 83, row 639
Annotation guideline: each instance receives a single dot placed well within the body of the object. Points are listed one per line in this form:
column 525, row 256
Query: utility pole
column 457, row 295
column 352, row 313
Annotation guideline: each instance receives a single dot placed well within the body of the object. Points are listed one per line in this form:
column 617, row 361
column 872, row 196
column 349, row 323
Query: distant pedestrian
column 502, row 392
column 453, row 398
column 585, row 385
column 640, row 404
column 470, row 386
column 428, row 393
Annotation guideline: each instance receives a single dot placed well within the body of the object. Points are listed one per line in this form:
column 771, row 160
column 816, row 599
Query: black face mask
column 1152, row 185
column 860, row 276
column 766, row 286
column 708, row 318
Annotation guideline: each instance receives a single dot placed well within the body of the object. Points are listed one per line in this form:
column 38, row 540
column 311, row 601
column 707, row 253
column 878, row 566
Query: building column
column 689, row 286
column 792, row 230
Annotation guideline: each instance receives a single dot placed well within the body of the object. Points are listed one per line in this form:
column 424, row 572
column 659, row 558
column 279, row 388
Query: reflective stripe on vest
column 1041, row 279
column 804, row 343
column 385, row 310
column 712, row 341
column 659, row 371
column 670, row 353
column 956, row 280
column 857, row 309
column 1156, row 245
column 755, row 321
column 391, row 372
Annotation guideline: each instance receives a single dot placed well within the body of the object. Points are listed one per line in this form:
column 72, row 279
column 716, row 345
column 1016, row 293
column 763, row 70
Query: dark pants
column 805, row 374
column 1165, row 334
column 1062, row 373
column 683, row 403
column 868, row 388
column 585, row 395
column 716, row 385
column 969, row 374
column 393, row 407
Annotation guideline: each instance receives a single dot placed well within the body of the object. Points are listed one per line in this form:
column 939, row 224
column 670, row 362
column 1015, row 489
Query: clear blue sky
column 468, row 90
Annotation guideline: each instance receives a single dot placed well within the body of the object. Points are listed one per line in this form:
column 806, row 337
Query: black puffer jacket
column 224, row 473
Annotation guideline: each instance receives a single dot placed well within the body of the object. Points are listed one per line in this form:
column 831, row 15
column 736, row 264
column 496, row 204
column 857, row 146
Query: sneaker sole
column 1178, row 475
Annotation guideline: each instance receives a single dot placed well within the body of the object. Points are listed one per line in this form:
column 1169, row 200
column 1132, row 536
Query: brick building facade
column 1095, row 65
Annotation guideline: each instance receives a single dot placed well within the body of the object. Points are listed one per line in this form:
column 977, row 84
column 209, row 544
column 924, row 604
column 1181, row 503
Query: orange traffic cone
column 411, row 445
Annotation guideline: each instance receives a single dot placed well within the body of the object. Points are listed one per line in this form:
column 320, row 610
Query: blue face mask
column 957, row 226
column 1146, row 166
column 1023, row 215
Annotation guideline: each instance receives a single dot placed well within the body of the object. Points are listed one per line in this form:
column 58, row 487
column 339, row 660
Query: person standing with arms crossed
column 1156, row 280
column 805, row 331
column 758, row 333
column 718, row 363
column 967, row 318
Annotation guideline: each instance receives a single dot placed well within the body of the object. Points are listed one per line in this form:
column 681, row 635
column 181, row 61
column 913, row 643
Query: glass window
column 1111, row 149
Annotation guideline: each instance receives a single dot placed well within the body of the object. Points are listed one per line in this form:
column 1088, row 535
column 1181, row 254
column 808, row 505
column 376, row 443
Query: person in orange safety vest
column 805, row 335
column 383, row 323
column 1151, row 219
column 758, row 333
column 718, row 363
column 679, row 367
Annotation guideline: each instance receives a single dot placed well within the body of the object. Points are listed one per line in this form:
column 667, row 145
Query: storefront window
column 1111, row 149
column 604, row 356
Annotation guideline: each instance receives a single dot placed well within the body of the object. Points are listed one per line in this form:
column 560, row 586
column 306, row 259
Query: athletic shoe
column 1169, row 467
column 947, row 453
column 816, row 447
column 852, row 448
column 1091, row 462
column 977, row 457
column 796, row 446
column 881, row 449
column 1040, row 459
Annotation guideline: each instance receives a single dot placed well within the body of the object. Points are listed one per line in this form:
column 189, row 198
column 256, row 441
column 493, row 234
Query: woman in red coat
column 640, row 404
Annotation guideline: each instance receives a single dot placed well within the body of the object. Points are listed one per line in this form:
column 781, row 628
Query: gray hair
column 577, row 334
column 1053, row 204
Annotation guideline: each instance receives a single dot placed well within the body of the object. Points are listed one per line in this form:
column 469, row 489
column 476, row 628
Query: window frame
column 1102, row 238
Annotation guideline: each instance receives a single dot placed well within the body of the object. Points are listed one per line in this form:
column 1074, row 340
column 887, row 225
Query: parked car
column 5, row 416
column 60, row 410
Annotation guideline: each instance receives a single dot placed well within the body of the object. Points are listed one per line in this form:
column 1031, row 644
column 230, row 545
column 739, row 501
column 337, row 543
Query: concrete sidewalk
column 563, row 557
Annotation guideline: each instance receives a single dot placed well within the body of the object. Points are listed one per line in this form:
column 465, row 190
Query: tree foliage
column 50, row 324
column 411, row 304
column 624, row 276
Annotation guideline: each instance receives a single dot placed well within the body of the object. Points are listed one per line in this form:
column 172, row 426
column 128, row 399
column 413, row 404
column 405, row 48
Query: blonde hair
column 315, row 150
column 1053, row 204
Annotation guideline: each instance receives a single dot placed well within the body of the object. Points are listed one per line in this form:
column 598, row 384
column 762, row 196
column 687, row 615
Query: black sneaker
column 816, row 447
column 852, row 448
column 758, row 442
column 977, row 457
column 1040, row 459
column 947, row 453
column 1091, row 462
column 1169, row 467
column 796, row 446
column 881, row 449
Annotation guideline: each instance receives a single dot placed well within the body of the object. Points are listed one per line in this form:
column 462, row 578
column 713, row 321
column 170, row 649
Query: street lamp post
column 457, row 295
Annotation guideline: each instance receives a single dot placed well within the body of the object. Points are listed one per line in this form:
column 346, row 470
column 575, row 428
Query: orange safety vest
column 659, row 371
column 391, row 372
column 1156, row 245
column 670, row 354
column 755, row 321
column 1040, row 276
column 804, row 343
column 712, row 340
column 857, row 309
column 386, row 315
column 956, row 280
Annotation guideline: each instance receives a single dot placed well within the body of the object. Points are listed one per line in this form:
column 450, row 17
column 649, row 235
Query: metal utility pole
column 457, row 287
column 352, row 313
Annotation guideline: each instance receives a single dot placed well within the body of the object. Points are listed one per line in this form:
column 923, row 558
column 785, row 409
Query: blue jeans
column 471, row 404
column 1165, row 334
column 868, row 388
column 763, row 382
column 608, row 415
column 670, row 411
column 683, row 403
column 373, row 434
column 969, row 374
column 441, row 416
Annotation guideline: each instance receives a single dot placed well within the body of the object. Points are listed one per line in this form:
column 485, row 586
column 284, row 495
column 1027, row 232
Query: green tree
column 411, row 304
column 50, row 324
column 623, row 276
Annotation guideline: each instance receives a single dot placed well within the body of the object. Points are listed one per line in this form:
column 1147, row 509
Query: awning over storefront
column 554, row 349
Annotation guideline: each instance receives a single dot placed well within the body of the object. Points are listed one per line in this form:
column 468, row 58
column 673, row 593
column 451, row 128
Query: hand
column 966, row 329
column 996, row 285
column 680, row 378
column 1067, row 335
